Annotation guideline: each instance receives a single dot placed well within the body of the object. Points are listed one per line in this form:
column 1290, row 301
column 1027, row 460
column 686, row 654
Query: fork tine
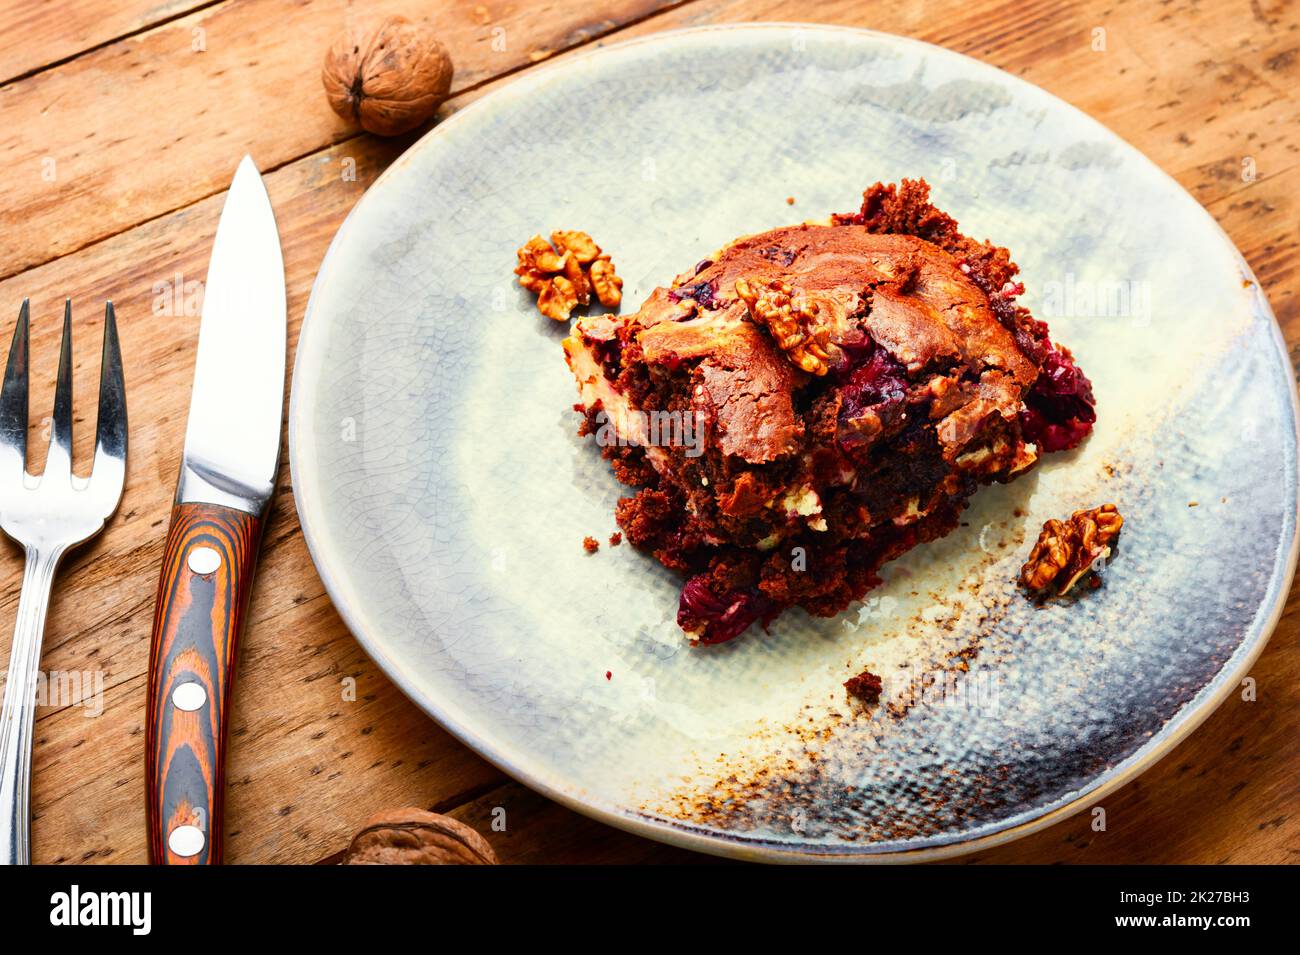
column 109, row 468
column 13, row 398
column 58, row 462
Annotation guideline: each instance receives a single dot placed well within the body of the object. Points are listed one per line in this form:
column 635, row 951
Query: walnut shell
column 415, row 837
column 389, row 75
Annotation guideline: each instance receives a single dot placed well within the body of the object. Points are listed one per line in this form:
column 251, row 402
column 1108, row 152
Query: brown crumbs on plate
column 615, row 539
column 1067, row 550
column 566, row 272
column 866, row 686
column 590, row 545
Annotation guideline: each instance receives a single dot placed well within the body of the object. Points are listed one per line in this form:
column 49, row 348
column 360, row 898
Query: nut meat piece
column 1096, row 529
column 1067, row 550
column 573, row 272
column 557, row 299
column 583, row 248
column 608, row 286
column 565, row 276
column 1049, row 556
column 416, row 837
column 792, row 321
column 536, row 255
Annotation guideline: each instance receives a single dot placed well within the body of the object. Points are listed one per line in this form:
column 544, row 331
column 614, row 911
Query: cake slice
column 814, row 401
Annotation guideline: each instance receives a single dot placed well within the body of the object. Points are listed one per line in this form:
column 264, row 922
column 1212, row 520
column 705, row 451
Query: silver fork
column 47, row 516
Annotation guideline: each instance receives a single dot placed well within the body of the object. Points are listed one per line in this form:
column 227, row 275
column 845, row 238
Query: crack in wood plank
column 38, row 33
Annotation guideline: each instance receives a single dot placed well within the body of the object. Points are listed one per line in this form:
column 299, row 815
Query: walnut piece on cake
column 836, row 393
column 791, row 319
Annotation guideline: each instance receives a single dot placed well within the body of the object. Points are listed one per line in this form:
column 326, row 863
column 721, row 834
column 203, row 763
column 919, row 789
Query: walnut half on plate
column 564, row 272
column 1067, row 550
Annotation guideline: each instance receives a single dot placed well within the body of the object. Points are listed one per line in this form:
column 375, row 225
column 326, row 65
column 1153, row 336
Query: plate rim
column 684, row 835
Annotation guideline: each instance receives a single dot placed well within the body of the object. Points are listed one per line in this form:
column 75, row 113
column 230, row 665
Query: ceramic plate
column 445, row 494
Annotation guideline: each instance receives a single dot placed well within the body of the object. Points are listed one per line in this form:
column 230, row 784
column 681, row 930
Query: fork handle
column 18, row 716
column 203, row 590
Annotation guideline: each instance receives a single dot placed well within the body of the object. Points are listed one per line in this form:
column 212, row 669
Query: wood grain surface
column 123, row 124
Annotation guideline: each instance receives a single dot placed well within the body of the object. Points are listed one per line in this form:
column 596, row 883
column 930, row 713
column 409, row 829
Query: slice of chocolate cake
column 816, row 400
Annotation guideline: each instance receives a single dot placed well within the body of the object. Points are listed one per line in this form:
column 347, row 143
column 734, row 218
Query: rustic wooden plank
column 141, row 127
column 38, row 33
column 307, row 766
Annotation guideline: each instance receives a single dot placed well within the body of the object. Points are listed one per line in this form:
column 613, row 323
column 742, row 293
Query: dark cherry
column 701, row 292
column 775, row 253
column 724, row 617
column 610, row 355
column 878, row 380
column 857, row 347
column 1060, row 408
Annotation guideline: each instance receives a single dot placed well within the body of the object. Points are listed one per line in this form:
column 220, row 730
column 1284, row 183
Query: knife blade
column 227, row 479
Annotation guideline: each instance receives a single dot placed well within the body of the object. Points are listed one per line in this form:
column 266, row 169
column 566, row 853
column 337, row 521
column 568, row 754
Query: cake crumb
column 866, row 686
column 590, row 545
column 615, row 539
column 789, row 200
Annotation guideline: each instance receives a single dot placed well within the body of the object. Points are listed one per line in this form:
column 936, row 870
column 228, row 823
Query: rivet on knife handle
column 207, row 572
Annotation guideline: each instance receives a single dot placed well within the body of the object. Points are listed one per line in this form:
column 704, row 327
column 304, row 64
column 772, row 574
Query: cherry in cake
column 812, row 402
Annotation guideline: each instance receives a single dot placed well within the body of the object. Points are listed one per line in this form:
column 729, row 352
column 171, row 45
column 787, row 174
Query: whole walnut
column 416, row 837
column 387, row 74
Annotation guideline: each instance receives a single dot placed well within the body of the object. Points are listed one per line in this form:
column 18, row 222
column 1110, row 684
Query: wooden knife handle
column 207, row 573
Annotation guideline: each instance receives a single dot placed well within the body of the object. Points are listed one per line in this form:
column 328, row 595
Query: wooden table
column 123, row 123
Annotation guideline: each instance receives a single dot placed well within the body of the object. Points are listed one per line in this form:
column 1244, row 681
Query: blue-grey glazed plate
column 444, row 492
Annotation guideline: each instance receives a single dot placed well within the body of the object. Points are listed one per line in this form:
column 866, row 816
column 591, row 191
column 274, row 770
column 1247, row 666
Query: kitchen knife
column 228, row 468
